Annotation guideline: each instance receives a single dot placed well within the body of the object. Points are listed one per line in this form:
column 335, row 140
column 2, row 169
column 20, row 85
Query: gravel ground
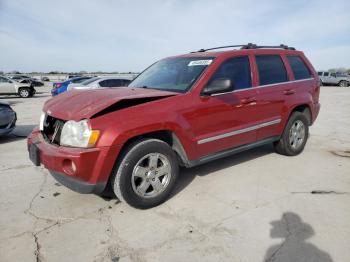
column 254, row 206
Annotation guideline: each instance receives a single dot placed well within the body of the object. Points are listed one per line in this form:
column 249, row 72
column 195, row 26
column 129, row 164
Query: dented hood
column 80, row 104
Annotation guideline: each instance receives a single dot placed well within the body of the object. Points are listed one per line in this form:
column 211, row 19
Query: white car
column 100, row 82
column 11, row 87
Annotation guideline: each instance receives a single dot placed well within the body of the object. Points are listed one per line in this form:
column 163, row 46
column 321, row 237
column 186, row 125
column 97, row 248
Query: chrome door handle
column 289, row 92
column 248, row 100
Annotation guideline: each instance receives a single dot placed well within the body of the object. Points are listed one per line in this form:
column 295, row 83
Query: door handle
column 248, row 100
column 289, row 92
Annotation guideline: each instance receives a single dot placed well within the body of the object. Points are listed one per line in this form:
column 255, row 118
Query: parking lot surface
column 254, row 206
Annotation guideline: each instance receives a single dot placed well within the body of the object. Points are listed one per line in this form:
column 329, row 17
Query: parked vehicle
column 73, row 76
column 12, row 87
column 100, row 82
column 61, row 87
column 45, row 79
column 20, row 77
column 182, row 111
column 7, row 118
column 338, row 79
column 31, row 81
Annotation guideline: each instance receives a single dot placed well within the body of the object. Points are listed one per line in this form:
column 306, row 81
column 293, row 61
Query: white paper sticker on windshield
column 200, row 62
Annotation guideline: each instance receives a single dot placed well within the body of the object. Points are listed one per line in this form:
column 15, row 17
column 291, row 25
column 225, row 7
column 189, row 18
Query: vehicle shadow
column 37, row 95
column 20, row 132
column 187, row 175
column 294, row 246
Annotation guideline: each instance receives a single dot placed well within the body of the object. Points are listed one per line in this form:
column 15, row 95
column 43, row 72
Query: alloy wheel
column 297, row 134
column 151, row 175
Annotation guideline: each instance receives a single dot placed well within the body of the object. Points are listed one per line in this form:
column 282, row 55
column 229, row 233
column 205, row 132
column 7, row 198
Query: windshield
column 86, row 82
column 173, row 74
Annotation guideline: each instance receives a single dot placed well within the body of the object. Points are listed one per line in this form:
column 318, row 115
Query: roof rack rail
column 247, row 46
column 219, row 47
column 253, row 46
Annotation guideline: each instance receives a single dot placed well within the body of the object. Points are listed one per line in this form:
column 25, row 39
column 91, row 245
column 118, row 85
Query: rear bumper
column 85, row 170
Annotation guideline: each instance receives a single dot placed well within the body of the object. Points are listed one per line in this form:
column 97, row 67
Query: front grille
column 52, row 129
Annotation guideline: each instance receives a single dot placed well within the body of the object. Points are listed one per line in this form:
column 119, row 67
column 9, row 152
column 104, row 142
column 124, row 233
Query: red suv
column 181, row 111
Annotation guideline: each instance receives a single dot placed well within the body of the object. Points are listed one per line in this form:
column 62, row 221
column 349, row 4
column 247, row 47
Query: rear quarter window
column 271, row 69
column 299, row 68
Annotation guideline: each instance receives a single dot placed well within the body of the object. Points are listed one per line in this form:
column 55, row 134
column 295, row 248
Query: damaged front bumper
column 84, row 170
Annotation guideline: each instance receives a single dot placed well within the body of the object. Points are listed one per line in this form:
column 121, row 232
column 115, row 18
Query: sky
column 129, row 35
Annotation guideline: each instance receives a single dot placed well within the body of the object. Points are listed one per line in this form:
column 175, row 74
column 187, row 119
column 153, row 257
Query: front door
column 226, row 120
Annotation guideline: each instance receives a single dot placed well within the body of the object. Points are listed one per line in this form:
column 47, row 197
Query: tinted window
column 104, row 83
column 333, row 74
column 271, row 69
column 125, row 82
column 4, row 80
column 300, row 70
column 115, row 82
column 319, row 73
column 79, row 80
column 237, row 70
column 326, row 74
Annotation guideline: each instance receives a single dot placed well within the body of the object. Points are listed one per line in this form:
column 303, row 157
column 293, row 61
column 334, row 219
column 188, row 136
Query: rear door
column 273, row 90
column 333, row 79
column 226, row 120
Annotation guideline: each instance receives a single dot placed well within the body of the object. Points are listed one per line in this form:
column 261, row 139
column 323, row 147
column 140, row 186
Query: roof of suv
column 243, row 49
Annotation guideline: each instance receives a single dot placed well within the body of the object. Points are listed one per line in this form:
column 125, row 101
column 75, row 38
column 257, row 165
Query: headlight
column 78, row 134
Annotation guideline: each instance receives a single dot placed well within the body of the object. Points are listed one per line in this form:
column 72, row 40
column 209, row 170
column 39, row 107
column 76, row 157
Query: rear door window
column 319, row 73
column 236, row 69
column 115, row 82
column 271, row 69
column 299, row 68
column 326, row 74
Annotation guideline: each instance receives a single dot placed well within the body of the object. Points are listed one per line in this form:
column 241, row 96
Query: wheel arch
column 303, row 108
column 165, row 135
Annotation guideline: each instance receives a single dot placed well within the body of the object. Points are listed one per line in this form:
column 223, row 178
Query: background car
column 12, row 87
column 100, row 82
column 19, row 77
column 73, row 76
column 62, row 86
column 7, row 118
column 328, row 78
column 45, row 78
column 31, row 81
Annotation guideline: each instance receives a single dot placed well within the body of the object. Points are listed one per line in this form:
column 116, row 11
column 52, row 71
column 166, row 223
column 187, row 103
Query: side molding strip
column 230, row 152
column 240, row 131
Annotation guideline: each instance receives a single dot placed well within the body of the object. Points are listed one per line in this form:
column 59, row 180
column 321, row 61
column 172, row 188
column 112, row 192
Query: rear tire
column 145, row 174
column 24, row 92
column 295, row 135
column 343, row 83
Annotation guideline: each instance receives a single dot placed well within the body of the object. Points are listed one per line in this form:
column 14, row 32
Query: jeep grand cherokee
column 182, row 111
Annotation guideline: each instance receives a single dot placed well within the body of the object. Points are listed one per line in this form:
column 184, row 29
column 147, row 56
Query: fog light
column 69, row 167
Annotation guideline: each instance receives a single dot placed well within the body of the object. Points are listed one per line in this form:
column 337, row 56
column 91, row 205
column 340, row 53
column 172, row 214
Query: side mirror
column 219, row 85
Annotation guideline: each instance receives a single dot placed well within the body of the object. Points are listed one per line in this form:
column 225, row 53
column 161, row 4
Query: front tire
column 146, row 173
column 24, row 92
column 295, row 135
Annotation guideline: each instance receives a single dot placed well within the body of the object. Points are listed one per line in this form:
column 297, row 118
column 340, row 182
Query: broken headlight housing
column 78, row 134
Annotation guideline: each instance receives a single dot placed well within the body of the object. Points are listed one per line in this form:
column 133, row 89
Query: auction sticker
column 200, row 62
